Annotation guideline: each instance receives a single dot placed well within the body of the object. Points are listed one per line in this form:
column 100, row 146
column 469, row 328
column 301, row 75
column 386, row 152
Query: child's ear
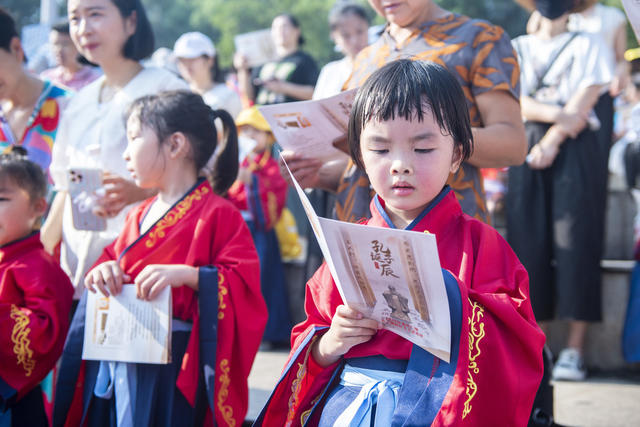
column 178, row 145
column 40, row 206
column 456, row 160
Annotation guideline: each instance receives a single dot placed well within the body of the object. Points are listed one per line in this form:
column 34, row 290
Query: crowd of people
column 192, row 193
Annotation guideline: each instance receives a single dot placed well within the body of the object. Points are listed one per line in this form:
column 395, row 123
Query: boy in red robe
column 35, row 295
column 260, row 193
column 409, row 130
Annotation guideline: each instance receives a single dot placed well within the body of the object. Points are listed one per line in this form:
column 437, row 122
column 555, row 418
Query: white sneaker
column 569, row 366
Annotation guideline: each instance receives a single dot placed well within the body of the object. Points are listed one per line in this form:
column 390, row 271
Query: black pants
column 555, row 222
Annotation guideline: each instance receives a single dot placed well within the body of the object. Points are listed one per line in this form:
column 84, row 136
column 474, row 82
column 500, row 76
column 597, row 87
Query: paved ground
column 604, row 400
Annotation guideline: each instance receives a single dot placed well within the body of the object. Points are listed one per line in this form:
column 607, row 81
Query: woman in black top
column 290, row 78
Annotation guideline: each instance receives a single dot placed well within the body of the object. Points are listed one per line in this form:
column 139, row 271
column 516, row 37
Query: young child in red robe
column 190, row 238
column 35, row 295
column 409, row 130
column 260, row 193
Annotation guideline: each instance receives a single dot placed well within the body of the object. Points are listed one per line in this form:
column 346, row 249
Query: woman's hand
column 107, row 278
column 572, row 123
column 119, row 192
column 348, row 328
column 305, row 170
column 155, row 277
column 542, row 155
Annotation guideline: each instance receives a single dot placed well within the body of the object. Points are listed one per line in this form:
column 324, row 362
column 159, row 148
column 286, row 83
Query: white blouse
column 583, row 63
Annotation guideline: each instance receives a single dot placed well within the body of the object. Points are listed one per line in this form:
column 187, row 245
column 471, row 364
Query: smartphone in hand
column 85, row 186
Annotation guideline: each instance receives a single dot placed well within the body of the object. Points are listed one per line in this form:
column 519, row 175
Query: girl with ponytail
column 192, row 240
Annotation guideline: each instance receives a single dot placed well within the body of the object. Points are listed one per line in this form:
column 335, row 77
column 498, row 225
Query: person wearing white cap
column 198, row 65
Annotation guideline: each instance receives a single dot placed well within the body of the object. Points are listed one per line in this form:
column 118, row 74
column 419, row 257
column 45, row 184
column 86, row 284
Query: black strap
column 541, row 78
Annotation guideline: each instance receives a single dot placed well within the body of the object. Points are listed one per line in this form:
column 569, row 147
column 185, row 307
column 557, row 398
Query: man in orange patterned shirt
column 481, row 57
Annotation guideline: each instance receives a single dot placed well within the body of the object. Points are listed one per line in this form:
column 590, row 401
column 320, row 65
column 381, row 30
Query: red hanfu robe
column 266, row 196
column 499, row 363
column 35, row 300
column 202, row 230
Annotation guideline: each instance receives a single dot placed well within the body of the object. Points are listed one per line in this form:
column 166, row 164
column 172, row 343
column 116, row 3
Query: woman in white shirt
column 198, row 65
column 349, row 25
column 555, row 202
column 116, row 35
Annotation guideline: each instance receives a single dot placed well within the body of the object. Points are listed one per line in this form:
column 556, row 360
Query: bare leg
column 577, row 333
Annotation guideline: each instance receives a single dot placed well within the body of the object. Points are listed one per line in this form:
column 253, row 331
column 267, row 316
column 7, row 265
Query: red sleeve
column 272, row 192
column 501, row 335
column 32, row 331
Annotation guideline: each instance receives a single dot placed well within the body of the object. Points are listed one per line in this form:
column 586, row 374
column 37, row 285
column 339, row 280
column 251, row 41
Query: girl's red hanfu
column 211, row 363
column 496, row 358
column 35, row 300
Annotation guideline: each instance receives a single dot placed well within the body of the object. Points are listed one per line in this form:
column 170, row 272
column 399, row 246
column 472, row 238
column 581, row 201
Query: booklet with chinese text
column 389, row 275
column 124, row 328
column 316, row 128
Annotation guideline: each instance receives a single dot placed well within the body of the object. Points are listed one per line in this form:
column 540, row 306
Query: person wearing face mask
column 260, row 193
column 198, row 64
column 115, row 35
column 72, row 70
column 291, row 77
column 556, row 201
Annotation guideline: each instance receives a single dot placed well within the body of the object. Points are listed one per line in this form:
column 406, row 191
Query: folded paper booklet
column 124, row 328
column 389, row 275
column 256, row 46
column 317, row 129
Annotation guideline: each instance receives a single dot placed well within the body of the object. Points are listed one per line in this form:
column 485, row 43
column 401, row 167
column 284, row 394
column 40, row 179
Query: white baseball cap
column 193, row 45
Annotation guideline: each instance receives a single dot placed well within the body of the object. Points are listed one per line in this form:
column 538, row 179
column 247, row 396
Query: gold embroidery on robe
column 21, row 340
column 223, row 393
column 476, row 334
column 222, row 291
column 173, row 216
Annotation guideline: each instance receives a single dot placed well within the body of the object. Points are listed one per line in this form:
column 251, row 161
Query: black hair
column 141, row 43
column 7, row 30
column 184, row 111
column 61, row 27
column 16, row 168
column 344, row 9
column 407, row 89
column 216, row 74
column 293, row 21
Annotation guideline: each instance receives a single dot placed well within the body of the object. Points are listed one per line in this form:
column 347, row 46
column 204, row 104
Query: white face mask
column 245, row 146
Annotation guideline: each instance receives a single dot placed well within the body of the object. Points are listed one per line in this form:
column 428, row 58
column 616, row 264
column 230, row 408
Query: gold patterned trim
column 476, row 334
column 174, row 215
column 222, row 291
column 21, row 341
column 302, row 370
column 223, row 393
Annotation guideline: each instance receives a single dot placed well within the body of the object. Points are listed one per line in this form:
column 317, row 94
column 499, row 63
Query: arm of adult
column 51, row 232
column 501, row 141
column 294, row 90
column 120, row 192
column 581, row 103
column 245, row 84
column 621, row 79
column 570, row 122
column 314, row 173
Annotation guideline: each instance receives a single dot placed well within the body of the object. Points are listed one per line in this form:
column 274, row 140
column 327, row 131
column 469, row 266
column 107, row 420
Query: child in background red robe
column 260, row 193
column 189, row 238
column 35, row 295
column 409, row 130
